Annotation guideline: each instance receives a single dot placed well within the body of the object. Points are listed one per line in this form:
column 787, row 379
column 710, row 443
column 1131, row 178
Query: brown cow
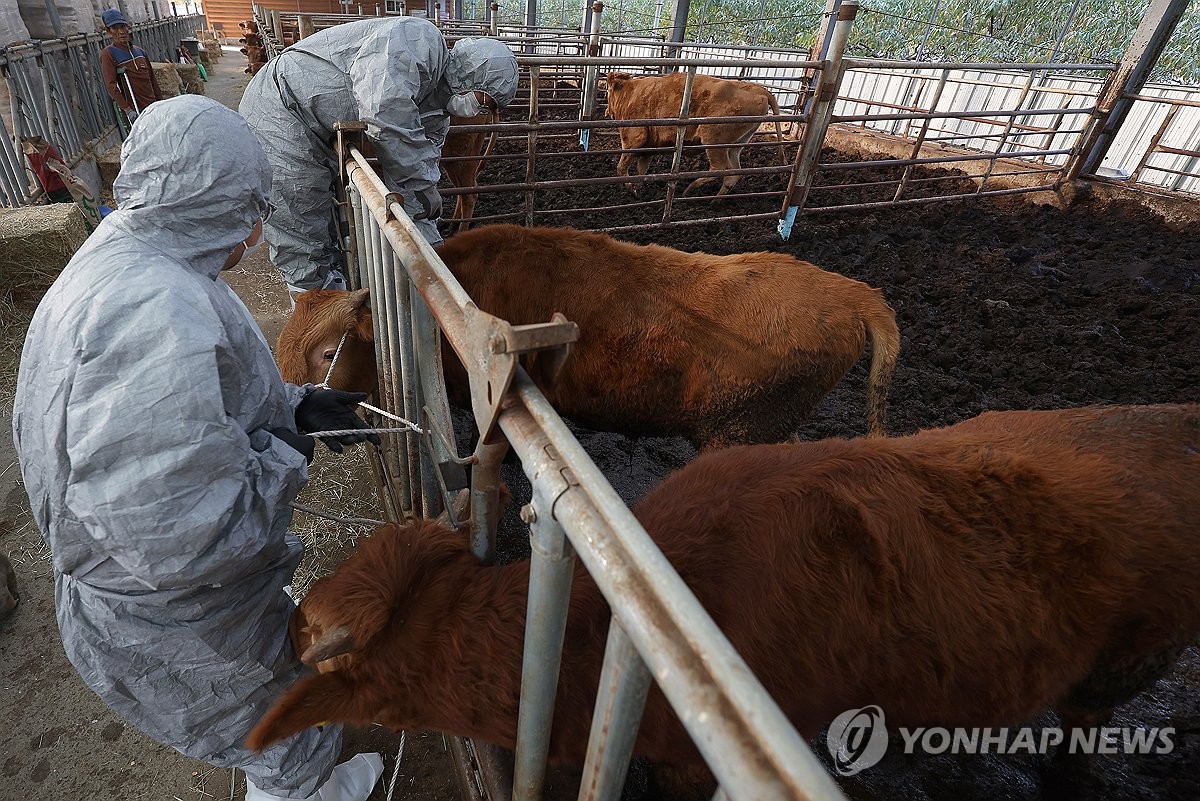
column 720, row 349
column 660, row 97
column 461, row 141
column 967, row 576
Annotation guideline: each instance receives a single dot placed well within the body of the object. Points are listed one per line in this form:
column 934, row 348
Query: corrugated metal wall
column 979, row 89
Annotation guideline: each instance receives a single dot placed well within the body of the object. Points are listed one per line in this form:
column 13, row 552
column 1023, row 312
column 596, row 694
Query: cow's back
column 658, row 322
column 970, row 575
column 660, row 97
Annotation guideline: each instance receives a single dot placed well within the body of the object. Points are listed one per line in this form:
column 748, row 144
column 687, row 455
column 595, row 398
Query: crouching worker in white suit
column 161, row 452
column 395, row 75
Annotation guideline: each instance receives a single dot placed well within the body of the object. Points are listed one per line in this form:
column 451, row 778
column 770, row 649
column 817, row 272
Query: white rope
column 396, row 770
column 341, row 432
column 408, row 425
column 333, row 362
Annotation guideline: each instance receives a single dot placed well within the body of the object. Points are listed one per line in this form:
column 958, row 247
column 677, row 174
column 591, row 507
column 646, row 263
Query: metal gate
column 658, row 628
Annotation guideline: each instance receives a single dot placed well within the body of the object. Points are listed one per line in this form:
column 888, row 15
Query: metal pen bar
column 677, row 159
column 552, row 564
column 616, row 718
column 753, row 750
column 685, row 223
column 949, row 115
column 1024, row 190
column 12, row 171
column 916, row 148
column 893, row 64
column 432, row 399
column 397, row 302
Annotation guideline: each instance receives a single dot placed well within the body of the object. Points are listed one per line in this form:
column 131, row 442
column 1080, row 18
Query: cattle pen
column 927, row 136
column 1007, row 127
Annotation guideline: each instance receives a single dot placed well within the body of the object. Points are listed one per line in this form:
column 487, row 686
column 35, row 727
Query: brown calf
column 660, row 97
column 965, row 576
column 720, row 349
column 462, row 141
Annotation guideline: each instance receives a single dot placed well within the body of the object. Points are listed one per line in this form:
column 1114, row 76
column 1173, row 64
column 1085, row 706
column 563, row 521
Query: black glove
column 333, row 410
column 299, row 442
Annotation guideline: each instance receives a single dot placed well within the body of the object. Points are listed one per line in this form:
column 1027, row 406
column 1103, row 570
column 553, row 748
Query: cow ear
column 312, row 701
column 617, row 79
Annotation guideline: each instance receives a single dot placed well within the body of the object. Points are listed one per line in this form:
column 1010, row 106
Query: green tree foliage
column 1063, row 31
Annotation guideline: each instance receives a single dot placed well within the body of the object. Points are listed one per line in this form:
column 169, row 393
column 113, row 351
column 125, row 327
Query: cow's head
column 310, row 339
column 615, row 85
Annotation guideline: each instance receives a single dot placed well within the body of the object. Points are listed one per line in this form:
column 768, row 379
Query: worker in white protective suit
column 161, row 453
column 394, row 74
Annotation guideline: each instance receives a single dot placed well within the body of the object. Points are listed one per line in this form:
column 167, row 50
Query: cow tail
column 885, row 350
column 778, row 129
column 491, row 140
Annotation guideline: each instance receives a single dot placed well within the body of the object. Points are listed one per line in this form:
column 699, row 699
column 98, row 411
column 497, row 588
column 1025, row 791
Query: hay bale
column 189, row 76
column 167, row 77
column 36, row 242
column 109, row 163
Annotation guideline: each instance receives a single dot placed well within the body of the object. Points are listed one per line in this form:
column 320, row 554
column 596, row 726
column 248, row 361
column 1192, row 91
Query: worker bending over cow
column 395, row 75
column 160, row 451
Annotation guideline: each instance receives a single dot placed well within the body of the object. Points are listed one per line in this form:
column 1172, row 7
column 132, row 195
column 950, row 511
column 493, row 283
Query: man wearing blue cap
column 127, row 71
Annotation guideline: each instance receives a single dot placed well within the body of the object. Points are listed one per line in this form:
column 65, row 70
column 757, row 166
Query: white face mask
column 246, row 251
column 251, row 248
column 465, row 105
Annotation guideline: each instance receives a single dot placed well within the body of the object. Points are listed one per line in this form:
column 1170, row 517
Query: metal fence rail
column 56, row 91
column 658, row 628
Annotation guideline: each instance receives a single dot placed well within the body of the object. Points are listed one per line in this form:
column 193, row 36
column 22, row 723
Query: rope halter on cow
column 406, row 425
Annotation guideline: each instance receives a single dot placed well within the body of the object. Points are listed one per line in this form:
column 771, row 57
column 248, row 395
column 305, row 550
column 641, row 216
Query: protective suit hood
column 193, row 181
column 484, row 64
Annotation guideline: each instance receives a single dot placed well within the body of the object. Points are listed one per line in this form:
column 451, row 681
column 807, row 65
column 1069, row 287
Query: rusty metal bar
column 677, row 160
column 685, row 223
column 531, row 153
column 616, row 179
column 1172, row 101
column 960, row 114
column 1007, row 130
column 925, row 200
column 894, row 64
column 1045, row 171
column 617, row 715
column 1147, row 44
column 920, row 140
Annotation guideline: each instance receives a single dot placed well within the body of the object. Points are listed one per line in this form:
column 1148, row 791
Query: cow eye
column 328, row 354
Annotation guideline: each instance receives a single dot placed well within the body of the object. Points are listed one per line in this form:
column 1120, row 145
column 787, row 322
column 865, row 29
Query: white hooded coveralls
column 394, row 74
column 144, row 402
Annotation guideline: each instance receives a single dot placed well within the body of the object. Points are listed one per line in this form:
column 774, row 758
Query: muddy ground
column 1002, row 304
